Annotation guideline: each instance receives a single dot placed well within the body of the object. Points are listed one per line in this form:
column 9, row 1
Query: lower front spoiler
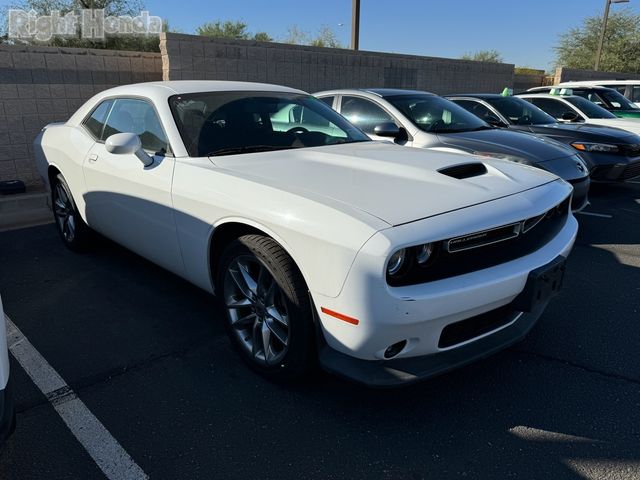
column 404, row 371
column 7, row 413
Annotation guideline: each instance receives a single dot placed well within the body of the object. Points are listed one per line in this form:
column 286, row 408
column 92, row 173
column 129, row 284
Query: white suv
column 628, row 88
column 7, row 414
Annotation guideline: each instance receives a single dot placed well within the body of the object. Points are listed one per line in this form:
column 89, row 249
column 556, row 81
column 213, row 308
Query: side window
column 328, row 100
column 478, row 109
column 364, row 113
column 130, row 115
column 553, row 107
column 95, row 122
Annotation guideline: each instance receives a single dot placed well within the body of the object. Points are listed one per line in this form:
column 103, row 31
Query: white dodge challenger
column 388, row 264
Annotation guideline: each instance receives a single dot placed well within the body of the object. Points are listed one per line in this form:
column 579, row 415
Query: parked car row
column 611, row 154
column 386, row 264
column 420, row 119
column 604, row 97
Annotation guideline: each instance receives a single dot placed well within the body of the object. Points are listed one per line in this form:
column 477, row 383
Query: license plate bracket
column 542, row 284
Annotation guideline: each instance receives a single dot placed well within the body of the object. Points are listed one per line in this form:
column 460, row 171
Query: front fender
column 323, row 240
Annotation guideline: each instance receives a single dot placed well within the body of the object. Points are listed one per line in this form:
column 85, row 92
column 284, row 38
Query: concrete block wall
column 40, row 85
column 191, row 57
column 564, row 74
column 524, row 81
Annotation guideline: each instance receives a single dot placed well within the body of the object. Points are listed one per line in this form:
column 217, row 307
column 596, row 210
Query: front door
column 125, row 200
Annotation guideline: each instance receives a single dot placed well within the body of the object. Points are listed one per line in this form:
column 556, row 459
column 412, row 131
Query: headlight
column 423, row 253
column 403, row 261
column 505, row 156
column 396, row 262
column 595, row 147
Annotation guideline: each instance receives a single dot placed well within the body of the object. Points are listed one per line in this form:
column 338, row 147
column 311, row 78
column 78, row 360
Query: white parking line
column 593, row 214
column 105, row 450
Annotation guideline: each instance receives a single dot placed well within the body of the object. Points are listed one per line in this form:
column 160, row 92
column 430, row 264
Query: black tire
column 73, row 231
column 299, row 355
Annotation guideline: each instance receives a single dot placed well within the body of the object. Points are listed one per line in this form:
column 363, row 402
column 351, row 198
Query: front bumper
column 7, row 413
column 618, row 172
column 419, row 314
column 405, row 371
column 610, row 167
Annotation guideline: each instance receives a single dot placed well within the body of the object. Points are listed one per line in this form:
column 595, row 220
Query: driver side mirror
column 127, row 144
column 387, row 129
column 570, row 117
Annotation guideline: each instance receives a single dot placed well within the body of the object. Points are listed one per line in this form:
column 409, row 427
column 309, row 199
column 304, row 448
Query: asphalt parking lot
column 147, row 354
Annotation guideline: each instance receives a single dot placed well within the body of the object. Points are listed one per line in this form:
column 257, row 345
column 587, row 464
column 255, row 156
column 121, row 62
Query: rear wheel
column 71, row 227
column 268, row 310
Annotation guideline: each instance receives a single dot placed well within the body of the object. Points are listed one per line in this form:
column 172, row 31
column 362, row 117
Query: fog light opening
column 395, row 349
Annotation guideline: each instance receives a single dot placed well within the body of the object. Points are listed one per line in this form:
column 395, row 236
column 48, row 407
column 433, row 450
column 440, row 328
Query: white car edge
column 7, row 413
column 299, row 244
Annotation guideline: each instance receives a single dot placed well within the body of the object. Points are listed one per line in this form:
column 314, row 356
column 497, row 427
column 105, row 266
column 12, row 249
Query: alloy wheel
column 63, row 212
column 256, row 310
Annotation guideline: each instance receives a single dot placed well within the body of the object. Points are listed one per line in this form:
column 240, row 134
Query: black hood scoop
column 464, row 170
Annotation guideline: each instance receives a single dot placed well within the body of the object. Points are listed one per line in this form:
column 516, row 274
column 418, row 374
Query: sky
column 523, row 31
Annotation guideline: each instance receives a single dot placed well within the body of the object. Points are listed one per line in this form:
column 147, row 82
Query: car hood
column 395, row 184
column 584, row 131
column 534, row 148
column 631, row 125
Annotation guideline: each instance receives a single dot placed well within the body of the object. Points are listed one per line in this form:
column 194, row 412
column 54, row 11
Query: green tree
column 262, row 37
column 235, row 29
column 492, row 56
column 621, row 50
column 296, row 36
column 324, row 37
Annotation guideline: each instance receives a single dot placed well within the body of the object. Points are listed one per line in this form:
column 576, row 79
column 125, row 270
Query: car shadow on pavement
column 147, row 353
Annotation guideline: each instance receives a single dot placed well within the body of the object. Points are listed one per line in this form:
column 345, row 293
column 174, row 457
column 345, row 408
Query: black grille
column 630, row 150
column 465, row 170
column 473, row 327
column 631, row 171
column 446, row 264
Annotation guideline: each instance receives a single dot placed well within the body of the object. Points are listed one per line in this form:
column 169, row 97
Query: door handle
column 93, row 157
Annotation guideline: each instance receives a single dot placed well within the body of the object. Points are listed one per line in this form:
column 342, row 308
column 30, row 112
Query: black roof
column 389, row 92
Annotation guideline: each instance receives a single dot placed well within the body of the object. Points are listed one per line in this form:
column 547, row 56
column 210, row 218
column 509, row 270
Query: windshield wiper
column 246, row 149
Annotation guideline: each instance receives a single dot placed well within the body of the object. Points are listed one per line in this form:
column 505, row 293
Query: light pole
column 604, row 29
column 355, row 25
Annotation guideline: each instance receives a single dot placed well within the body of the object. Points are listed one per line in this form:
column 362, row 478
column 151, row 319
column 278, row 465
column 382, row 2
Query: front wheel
column 268, row 310
column 71, row 227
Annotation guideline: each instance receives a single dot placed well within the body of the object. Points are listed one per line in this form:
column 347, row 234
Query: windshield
column 227, row 123
column 590, row 109
column 609, row 99
column 520, row 112
column 435, row 114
